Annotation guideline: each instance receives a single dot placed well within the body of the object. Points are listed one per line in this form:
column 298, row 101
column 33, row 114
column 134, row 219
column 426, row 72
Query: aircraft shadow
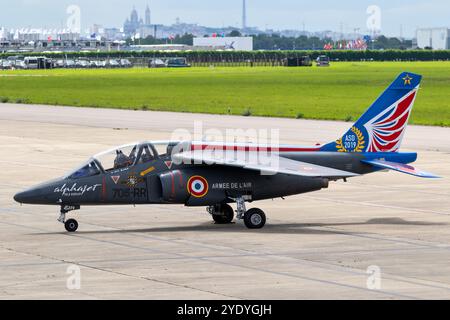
column 379, row 221
column 284, row 228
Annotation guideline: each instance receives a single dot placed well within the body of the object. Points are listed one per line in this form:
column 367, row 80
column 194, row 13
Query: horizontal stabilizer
column 400, row 167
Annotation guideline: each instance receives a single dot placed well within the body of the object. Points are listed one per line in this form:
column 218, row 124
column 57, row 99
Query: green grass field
column 341, row 92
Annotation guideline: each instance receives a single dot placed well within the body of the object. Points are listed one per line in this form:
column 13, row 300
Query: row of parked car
column 168, row 63
column 45, row 63
column 12, row 64
column 94, row 64
column 20, row 62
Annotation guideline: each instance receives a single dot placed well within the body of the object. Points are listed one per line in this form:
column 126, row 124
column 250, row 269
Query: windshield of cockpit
column 120, row 158
column 89, row 169
column 126, row 156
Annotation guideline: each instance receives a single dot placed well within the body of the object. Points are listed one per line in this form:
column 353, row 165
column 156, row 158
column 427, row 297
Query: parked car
column 60, row 63
column 156, row 63
column 323, row 61
column 178, row 63
column 6, row 65
column 101, row 64
column 70, row 64
column 16, row 61
column 82, row 64
column 111, row 63
column 304, row 61
column 20, row 64
column 125, row 63
column 32, row 62
column 46, row 63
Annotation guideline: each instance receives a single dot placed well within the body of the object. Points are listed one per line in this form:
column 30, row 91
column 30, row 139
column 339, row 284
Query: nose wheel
column 71, row 225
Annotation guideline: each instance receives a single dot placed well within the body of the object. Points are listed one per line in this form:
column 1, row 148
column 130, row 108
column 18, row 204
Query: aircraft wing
column 400, row 167
column 267, row 164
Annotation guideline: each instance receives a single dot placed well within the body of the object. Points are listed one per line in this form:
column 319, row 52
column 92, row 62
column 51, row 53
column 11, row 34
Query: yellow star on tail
column 407, row 80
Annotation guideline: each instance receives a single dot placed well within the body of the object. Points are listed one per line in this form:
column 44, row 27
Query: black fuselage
column 161, row 181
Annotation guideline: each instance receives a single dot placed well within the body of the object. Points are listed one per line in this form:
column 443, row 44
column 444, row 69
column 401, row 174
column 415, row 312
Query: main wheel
column 255, row 218
column 225, row 214
column 71, row 225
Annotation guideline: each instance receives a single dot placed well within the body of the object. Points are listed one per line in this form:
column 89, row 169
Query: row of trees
column 276, row 42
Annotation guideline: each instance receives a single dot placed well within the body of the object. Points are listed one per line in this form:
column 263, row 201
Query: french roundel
column 198, row 186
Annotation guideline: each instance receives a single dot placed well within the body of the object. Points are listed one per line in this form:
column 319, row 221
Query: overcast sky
column 273, row 14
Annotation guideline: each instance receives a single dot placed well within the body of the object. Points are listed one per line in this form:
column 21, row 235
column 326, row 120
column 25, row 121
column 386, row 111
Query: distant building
column 60, row 45
column 113, row 34
column 434, row 38
column 96, row 29
column 162, row 47
column 225, row 43
column 34, row 35
column 3, row 34
column 148, row 19
column 244, row 15
column 136, row 26
column 132, row 24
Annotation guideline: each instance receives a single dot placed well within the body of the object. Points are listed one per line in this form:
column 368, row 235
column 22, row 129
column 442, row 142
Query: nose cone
column 41, row 194
column 31, row 196
column 21, row 197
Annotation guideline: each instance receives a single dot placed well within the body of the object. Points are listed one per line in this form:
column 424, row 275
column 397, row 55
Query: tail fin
column 382, row 127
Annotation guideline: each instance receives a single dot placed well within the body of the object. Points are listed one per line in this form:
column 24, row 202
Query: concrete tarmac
column 381, row 236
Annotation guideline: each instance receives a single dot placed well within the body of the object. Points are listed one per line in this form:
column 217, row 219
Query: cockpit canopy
column 124, row 157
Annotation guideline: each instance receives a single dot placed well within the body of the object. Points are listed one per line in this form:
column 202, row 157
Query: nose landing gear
column 71, row 225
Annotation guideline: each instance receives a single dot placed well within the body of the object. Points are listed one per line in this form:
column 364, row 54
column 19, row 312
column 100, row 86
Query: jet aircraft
column 216, row 175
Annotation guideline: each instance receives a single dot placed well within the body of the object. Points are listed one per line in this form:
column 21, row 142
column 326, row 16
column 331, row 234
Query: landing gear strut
column 221, row 213
column 71, row 225
column 254, row 218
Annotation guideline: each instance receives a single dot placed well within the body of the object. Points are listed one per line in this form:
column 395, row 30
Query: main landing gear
column 223, row 214
column 71, row 225
column 254, row 218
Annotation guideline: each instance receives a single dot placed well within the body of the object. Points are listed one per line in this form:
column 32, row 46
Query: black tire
column 71, row 225
column 255, row 218
column 225, row 214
